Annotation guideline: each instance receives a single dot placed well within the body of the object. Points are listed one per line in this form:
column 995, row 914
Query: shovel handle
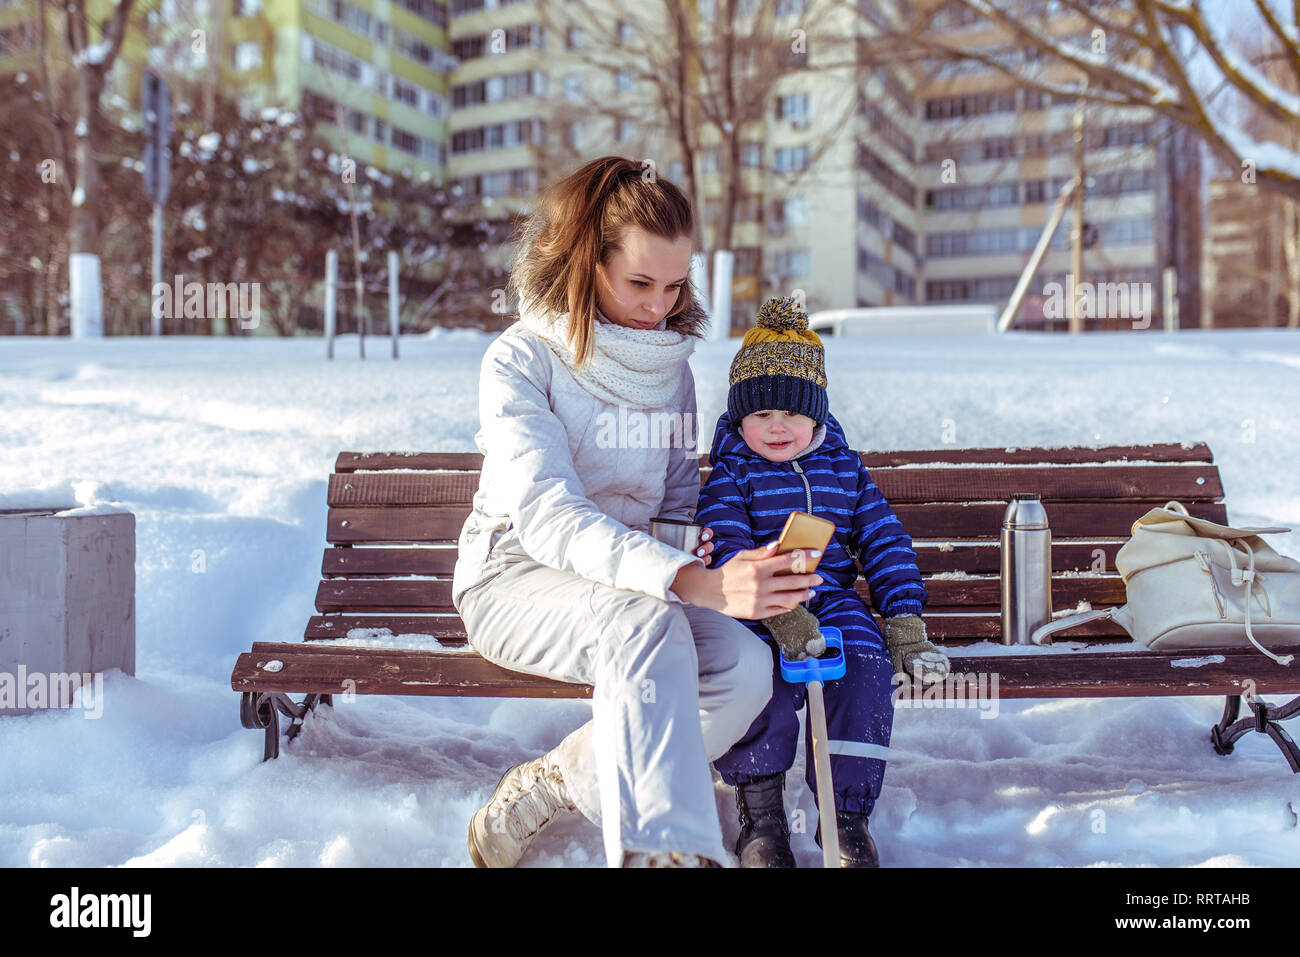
column 822, row 763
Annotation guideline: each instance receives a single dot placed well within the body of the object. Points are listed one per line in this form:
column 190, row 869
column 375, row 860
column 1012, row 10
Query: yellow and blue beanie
column 780, row 365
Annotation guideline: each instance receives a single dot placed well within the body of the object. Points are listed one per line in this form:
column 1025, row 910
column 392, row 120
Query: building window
column 623, row 82
column 626, row 128
column 248, row 8
column 573, row 39
column 626, row 32
column 793, row 263
column 793, row 108
column 318, row 107
column 574, row 136
column 745, row 261
column 469, row 48
column 405, row 93
column 751, row 155
column 675, row 170
column 406, row 141
column 248, row 56
column 573, row 87
column 791, row 159
column 431, row 10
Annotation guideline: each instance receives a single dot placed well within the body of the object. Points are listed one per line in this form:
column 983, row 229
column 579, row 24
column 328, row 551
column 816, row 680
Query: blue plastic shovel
column 813, row 672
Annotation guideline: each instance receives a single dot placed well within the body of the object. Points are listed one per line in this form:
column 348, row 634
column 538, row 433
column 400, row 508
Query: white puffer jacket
column 550, row 492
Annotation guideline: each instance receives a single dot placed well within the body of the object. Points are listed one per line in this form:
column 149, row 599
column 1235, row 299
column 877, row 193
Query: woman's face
column 644, row 278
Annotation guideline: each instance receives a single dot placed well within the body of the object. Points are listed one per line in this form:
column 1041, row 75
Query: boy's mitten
column 910, row 649
column 797, row 632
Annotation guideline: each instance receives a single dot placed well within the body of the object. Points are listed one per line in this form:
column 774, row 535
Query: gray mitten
column 910, row 649
column 797, row 633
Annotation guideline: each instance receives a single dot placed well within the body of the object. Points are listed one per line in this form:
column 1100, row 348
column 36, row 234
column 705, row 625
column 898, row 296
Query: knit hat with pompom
column 780, row 365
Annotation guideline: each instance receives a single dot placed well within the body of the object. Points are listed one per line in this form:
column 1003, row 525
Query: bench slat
column 354, row 461
column 1140, row 483
column 448, row 629
column 358, row 562
column 1157, row 452
column 441, row 524
column 1067, row 519
column 311, row 668
column 1066, row 454
column 942, row 625
column 1156, row 484
column 336, row 595
column 932, row 557
column 337, row 670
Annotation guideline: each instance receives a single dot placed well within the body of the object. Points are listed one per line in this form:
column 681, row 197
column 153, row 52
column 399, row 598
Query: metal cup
column 677, row 533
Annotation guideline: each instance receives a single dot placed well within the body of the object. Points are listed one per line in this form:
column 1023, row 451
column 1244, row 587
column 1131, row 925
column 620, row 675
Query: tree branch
column 1288, row 42
column 1253, row 88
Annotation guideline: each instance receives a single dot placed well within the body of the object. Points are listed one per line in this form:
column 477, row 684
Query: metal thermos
column 1026, row 568
column 677, row 533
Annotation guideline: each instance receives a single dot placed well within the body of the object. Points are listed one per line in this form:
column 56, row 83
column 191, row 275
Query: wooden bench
column 394, row 519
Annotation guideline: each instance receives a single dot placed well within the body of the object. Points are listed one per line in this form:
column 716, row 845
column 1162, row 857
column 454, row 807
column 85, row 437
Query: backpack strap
column 1042, row 632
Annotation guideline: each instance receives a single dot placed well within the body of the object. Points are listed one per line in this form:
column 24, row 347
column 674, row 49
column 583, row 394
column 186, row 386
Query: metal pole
column 394, row 310
column 1076, row 233
column 822, row 764
column 1170, row 310
column 157, row 262
column 331, row 284
column 1053, row 221
column 722, row 265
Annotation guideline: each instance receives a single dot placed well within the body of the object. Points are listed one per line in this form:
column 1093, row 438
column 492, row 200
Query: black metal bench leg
column 1231, row 708
column 257, row 710
column 261, row 709
column 1264, row 717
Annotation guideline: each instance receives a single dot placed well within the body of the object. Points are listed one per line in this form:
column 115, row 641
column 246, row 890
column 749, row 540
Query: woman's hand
column 705, row 550
column 747, row 586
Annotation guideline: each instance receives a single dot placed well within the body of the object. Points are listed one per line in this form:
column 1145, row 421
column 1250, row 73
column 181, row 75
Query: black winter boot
column 764, row 833
column 857, row 849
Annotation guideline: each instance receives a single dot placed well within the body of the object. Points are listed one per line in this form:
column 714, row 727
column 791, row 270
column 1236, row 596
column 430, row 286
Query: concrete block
column 67, row 598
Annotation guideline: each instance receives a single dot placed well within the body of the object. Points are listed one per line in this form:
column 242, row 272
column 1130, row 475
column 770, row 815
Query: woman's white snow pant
column 674, row 687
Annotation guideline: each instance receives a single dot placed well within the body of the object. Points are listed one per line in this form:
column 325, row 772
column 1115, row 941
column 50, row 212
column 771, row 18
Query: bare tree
column 718, row 77
column 1168, row 55
column 74, row 111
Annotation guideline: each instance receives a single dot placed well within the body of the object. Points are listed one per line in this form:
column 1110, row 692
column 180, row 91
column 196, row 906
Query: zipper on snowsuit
column 807, row 490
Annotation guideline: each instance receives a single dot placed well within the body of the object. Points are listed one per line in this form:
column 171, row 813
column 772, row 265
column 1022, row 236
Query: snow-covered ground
column 222, row 450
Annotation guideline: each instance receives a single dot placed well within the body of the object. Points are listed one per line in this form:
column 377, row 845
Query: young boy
column 777, row 450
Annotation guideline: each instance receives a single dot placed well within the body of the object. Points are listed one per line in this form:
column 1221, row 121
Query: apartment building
column 996, row 155
column 376, row 72
column 1245, row 267
column 861, row 183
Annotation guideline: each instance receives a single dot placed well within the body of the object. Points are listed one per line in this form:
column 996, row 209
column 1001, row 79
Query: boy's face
column 777, row 436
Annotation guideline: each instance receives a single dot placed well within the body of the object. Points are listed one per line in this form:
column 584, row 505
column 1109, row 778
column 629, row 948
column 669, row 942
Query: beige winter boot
column 528, row 797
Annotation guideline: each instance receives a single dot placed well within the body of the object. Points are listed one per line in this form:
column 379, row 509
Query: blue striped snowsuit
column 746, row 501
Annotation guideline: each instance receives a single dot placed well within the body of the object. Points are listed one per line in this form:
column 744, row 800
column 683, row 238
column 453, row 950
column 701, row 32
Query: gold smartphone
column 807, row 532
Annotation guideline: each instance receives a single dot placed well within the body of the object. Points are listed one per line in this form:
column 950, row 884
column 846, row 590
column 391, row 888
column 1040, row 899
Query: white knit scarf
column 639, row 368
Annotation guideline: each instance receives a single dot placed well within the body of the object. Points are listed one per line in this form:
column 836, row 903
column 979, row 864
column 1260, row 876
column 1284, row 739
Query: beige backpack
column 1194, row 584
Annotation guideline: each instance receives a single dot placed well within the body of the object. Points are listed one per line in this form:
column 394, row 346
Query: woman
column 557, row 574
